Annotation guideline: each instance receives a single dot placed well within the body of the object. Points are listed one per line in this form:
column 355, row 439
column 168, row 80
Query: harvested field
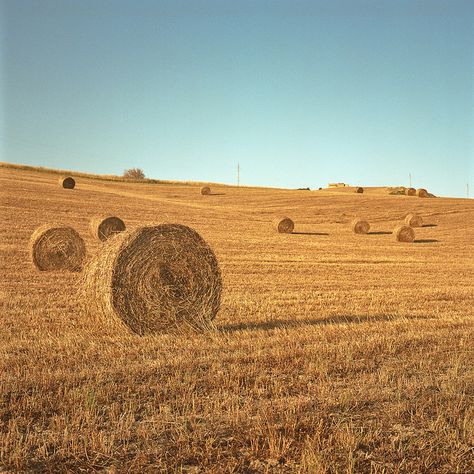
column 333, row 352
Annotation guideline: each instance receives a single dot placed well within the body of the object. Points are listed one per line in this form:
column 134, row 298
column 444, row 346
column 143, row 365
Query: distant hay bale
column 359, row 190
column 205, row 190
column 154, row 279
column 423, row 193
column 67, row 182
column 57, row 248
column 404, row 233
column 104, row 228
column 360, row 226
column 414, row 220
column 284, row 225
column 410, row 191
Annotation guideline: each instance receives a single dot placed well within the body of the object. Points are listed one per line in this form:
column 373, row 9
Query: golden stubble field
column 334, row 352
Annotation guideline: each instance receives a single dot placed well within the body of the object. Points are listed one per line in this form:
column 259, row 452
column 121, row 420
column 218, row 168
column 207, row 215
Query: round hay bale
column 154, row 279
column 423, row 193
column 67, row 182
column 205, row 190
column 284, row 225
column 404, row 233
column 104, row 228
column 359, row 190
column 57, row 248
column 410, row 191
column 360, row 226
column 414, row 220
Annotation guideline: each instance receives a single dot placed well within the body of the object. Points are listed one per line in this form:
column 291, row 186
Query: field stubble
column 333, row 352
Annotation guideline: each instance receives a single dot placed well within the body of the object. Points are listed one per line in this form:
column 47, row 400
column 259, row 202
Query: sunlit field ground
column 334, row 352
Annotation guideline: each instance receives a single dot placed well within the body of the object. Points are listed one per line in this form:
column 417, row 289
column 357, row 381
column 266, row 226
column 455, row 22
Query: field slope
column 333, row 352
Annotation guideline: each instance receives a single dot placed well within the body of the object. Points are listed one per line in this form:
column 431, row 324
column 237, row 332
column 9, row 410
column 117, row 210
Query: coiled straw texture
column 284, row 225
column 57, row 248
column 404, row 233
column 360, row 226
column 154, row 279
column 104, row 228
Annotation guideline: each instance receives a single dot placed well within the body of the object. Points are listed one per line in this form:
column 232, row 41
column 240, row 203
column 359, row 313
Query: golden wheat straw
column 154, row 279
column 57, row 248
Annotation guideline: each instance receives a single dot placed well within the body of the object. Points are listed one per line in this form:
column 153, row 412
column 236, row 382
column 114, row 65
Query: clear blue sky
column 300, row 93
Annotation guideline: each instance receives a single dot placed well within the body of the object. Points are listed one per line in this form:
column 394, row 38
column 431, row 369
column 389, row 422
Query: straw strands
column 404, row 233
column 154, row 279
column 57, row 248
column 360, row 226
column 414, row 220
column 104, row 228
column 283, row 225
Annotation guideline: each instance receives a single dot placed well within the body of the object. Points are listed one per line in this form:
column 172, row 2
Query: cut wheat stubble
column 154, row 279
column 57, row 248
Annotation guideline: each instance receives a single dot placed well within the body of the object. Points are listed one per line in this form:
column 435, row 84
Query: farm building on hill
column 337, row 185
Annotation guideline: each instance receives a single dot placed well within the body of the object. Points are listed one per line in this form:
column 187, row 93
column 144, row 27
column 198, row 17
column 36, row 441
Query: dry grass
column 333, row 353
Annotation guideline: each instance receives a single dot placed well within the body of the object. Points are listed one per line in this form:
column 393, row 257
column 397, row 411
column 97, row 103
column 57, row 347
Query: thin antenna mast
column 238, row 174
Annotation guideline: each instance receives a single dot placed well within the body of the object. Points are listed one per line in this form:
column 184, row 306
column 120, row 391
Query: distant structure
column 337, row 185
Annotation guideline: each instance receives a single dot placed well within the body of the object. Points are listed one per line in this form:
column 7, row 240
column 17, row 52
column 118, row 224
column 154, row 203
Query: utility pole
column 467, row 189
column 410, row 178
column 238, row 174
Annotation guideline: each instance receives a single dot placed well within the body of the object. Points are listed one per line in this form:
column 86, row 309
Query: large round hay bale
column 284, row 225
column 104, row 228
column 414, row 220
column 359, row 190
column 57, row 248
column 360, row 226
column 154, row 279
column 205, row 190
column 410, row 191
column 404, row 233
column 423, row 193
column 67, row 182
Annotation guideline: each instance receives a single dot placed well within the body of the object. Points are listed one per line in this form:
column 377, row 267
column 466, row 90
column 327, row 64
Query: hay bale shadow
column 277, row 324
column 382, row 232
column 310, row 233
column 425, row 241
column 429, row 225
